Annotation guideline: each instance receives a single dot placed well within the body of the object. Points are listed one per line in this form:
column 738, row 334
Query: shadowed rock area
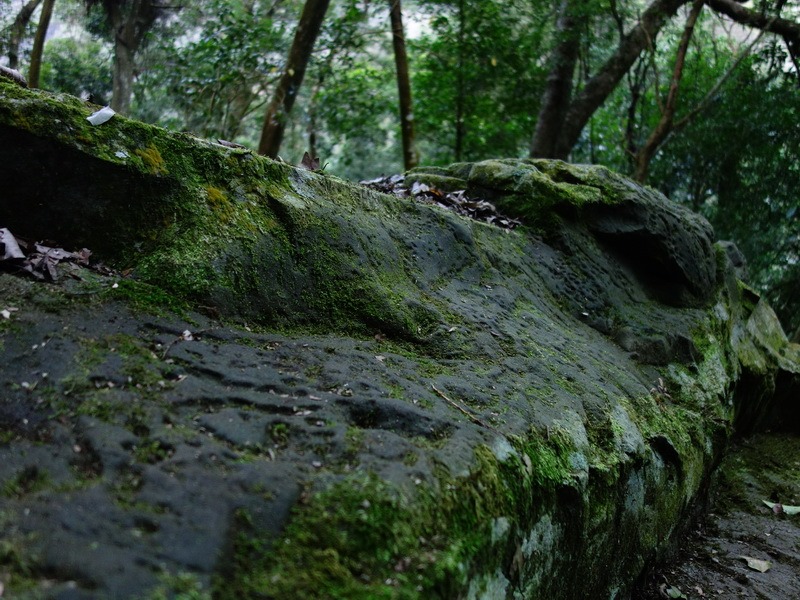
column 296, row 387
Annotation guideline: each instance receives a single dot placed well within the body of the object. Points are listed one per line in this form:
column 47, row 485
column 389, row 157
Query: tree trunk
column 130, row 20
column 557, row 92
column 403, row 85
column 18, row 30
column 664, row 126
column 122, row 84
column 289, row 84
column 458, row 149
column 586, row 102
column 602, row 84
column 788, row 30
column 38, row 43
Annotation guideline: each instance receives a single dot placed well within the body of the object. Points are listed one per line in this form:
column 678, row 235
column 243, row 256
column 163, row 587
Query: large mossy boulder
column 367, row 397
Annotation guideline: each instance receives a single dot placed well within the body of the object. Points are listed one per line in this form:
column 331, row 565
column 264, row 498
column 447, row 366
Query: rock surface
column 743, row 548
column 303, row 388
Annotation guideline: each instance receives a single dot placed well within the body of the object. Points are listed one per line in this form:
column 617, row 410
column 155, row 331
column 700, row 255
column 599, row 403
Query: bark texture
column 38, row 43
column 788, row 29
column 558, row 92
column 129, row 21
column 403, row 85
column 286, row 93
column 562, row 120
column 600, row 86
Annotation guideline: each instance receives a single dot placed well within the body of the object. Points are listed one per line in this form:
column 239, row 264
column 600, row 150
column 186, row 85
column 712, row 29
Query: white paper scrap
column 101, row 116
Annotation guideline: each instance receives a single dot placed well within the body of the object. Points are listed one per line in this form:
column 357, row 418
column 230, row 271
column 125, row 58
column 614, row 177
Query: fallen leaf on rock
column 670, row 591
column 312, row 164
column 41, row 260
column 457, row 201
column 762, row 566
column 779, row 508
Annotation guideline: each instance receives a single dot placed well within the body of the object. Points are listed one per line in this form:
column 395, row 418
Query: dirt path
column 741, row 535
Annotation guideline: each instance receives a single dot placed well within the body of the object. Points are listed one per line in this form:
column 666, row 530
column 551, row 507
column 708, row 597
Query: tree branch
column 787, row 29
column 664, row 127
column 18, row 30
column 600, row 86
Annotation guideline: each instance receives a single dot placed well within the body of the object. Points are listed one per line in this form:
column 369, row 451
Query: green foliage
column 347, row 109
column 740, row 166
column 212, row 82
column 477, row 87
column 80, row 68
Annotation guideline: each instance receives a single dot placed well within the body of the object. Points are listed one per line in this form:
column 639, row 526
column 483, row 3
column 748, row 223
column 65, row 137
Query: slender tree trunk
column 460, row 91
column 312, row 132
column 558, row 91
column 289, row 84
column 38, row 43
column 403, row 85
column 636, row 86
column 18, row 30
column 665, row 123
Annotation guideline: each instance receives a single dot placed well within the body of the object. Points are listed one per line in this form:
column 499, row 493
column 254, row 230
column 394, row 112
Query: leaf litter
column 457, row 201
column 41, row 261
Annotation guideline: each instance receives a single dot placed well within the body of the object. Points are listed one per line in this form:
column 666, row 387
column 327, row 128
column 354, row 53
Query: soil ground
column 712, row 559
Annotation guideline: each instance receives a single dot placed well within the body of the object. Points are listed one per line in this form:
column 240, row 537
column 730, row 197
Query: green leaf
column 779, row 508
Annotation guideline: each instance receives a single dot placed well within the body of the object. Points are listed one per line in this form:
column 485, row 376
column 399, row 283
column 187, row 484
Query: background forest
column 700, row 99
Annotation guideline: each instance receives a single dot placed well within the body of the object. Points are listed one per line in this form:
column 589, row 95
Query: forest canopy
column 697, row 98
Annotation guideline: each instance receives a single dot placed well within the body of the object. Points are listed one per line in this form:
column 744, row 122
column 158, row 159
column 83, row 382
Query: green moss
column 179, row 586
column 548, row 462
column 152, row 159
column 146, row 297
column 18, row 565
column 151, row 451
column 354, row 441
column 361, row 538
column 28, row 481
column 81, row 393
column 220, row 204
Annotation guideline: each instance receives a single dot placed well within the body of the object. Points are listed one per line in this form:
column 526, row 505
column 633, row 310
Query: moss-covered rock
column 430, row 407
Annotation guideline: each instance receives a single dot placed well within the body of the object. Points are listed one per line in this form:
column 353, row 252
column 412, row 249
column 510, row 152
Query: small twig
column 469, row 415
